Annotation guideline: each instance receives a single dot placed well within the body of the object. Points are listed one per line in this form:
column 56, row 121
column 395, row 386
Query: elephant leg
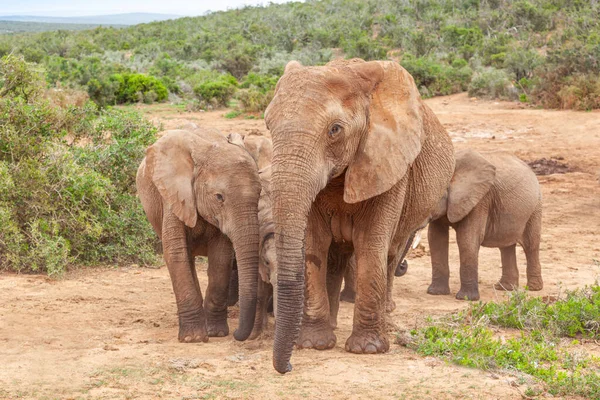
column 336, row 269
column 220, row 256
column 234, row 286
column 192, row 324
column 262, row 303
column 468, row 238
column 438, row 238
column 531, row 245
column 349, row 293
column 369, row 327
column 316, row 331
column 510, row 273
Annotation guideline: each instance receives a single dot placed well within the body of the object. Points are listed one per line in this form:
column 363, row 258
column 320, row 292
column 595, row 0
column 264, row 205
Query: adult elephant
column 359, row 162
column 200, row 194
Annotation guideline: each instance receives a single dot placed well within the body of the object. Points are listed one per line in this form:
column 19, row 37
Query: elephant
column 260, row 148
column 359, row 161
column 493, row 200
column 200, row 194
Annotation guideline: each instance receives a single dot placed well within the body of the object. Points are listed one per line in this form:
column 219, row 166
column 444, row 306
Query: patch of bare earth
column 112, row 333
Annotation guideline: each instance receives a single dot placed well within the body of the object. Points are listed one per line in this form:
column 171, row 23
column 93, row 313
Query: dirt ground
column 112, row 333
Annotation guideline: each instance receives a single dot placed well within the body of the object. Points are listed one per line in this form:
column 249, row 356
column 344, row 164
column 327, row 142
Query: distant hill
column 115, row 19
column 20, row 26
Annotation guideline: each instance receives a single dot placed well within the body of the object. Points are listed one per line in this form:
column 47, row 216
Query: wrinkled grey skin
column 348, row 294
column 200, row 194
column 260, row 148
column 359, row 162
column 494, row 200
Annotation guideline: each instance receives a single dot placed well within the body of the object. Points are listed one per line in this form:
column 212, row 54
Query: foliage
column 466, row 339
column 491, row 83
column 219, row 91
column 133, row 88
column 67, row 179
column 552, row 43
column 578, row 313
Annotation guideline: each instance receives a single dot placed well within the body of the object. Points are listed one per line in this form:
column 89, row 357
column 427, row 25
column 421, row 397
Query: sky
column 73, row 8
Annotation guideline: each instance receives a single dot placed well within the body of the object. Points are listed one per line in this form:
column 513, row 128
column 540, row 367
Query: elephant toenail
column 370, row 349
column 307, row 344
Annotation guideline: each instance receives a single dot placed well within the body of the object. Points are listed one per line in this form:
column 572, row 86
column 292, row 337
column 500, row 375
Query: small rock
column 109, row 347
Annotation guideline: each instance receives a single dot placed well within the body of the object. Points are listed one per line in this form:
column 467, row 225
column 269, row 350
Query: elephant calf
column 494, row 200
column 200, row 194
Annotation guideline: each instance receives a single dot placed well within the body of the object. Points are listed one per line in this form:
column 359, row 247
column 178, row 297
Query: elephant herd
column 357, row 164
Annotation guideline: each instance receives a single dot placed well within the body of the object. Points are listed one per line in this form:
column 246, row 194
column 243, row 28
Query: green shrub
column 491, row 83
column 135, row 88
column 67, row 182
column 434, row 78
column 218, row 91
column 254, row 100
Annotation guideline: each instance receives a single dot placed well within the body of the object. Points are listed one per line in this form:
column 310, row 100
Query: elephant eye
column 334, row 130
column 219, row 197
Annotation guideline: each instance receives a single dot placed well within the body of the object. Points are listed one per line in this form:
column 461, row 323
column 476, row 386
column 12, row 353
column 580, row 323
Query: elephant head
column 201, row 175
column 260, row 148
column 364, row 119
column 472, row 179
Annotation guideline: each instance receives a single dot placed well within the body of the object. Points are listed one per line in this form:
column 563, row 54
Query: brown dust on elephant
column 359, row 162
column 200, row 194
column 494, row 200
column 260, row 149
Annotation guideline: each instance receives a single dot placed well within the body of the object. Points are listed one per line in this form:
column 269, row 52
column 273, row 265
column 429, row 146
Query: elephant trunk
column 294, row 186
column 245, row 243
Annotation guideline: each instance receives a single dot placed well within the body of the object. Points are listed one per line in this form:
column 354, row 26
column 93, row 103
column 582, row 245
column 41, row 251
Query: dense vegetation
column 539, row 355
column 67, row 177
column 542, row 51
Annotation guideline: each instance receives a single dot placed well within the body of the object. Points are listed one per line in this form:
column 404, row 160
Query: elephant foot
column 255, row 334
column 217, row 328
column 390, row 305
column 348, row 295
column 193, row 333
column 367, row 342
column 320, row 337
column 506, row 286
column 466, row 293
column 438, row 289
column 535, row 284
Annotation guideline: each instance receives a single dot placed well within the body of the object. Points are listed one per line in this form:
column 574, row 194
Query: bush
column 218, row 91
column 135, row 88
column 491, row 83
column 254, row 100
column 434, row 78
column 68, row 204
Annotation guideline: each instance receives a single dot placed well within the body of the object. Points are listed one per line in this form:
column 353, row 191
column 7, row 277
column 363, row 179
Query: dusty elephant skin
column 200, row 194
column 494, row 200
column 359, row 162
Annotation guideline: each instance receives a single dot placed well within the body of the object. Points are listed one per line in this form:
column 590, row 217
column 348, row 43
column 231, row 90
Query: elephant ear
column 395, row 130
column 473, row 177
column 170, row 164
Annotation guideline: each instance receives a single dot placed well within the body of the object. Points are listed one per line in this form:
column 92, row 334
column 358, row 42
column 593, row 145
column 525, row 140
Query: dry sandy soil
column 112, row 333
